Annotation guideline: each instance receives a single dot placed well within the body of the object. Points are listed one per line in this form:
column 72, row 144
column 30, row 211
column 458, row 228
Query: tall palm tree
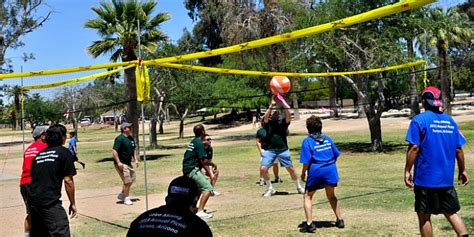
column 117, row 24
column 450, row 27
column 15, row 92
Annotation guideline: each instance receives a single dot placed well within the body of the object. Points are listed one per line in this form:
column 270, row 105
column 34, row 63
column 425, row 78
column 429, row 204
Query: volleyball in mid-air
column 280, row 84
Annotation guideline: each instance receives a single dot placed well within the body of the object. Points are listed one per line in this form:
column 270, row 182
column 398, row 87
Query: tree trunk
column 445, row 85
column 162, row 121
column 181, row 128
column 132, row 106
column 333, row 97
column 414, row 105
column 375, row 131
column 362, row 84
column 153, row 140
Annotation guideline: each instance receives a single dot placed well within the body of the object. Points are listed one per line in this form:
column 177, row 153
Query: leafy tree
column 38, row 110
column 117, row 24
column 18, row 18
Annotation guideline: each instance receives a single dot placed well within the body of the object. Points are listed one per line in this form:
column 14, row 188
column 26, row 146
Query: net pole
column 143, row 123
column 22, row 113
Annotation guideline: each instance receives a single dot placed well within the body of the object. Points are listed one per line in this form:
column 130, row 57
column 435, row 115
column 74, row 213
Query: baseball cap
column 183, row 188
column 38, row 131
column 125, row 125
column 432, row 95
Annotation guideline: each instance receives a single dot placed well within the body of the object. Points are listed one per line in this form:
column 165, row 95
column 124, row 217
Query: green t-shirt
column 194, row 153
column 277, row 131
column 262, row 135
column 125, row 147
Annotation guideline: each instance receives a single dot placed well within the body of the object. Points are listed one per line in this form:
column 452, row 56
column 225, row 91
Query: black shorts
column 24, row 189
column 74, row 157
column 436, row 200
column 49, row 221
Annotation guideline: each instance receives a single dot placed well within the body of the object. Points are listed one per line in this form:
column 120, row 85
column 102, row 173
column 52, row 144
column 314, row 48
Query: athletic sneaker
column 340, row 223
column 269, row 192
column 278, row 180
column 121, row 197
column 308, row 228
column 127, row 201
column 300, row 190
column 203, row 215
column 261, row 182
column 215, row 193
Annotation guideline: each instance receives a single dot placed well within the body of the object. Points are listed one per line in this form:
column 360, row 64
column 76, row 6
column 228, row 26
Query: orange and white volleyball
column 280, row 84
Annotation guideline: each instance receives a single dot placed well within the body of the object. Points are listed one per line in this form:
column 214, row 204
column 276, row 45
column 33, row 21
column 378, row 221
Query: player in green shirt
column 196, row 158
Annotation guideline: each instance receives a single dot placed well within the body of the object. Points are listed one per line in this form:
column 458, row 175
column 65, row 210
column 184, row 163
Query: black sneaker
column 308, row 228
column 340, row 223
column 278, row 180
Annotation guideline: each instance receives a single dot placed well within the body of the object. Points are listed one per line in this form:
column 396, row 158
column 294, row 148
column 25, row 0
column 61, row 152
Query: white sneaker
column 203, row 215
column 300, row 190
column 215, row 193
column 269, row 192
column 127, row 201
column 121, row 197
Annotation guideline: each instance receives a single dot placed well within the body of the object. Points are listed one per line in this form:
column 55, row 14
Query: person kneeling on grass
column 318, row 156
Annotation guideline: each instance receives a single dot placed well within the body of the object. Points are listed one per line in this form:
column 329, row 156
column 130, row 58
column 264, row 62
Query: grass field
column 371, row 191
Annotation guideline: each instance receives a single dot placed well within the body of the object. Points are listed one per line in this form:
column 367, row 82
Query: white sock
column 309, row 223
column 269, row 184
column 298, row 184
column 27, row 234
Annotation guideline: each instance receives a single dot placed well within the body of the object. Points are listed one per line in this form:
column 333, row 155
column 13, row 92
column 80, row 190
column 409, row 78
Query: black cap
column 183, row 189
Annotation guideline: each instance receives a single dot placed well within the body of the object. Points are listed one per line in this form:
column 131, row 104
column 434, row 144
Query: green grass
column 373, row 197
column 371, row 191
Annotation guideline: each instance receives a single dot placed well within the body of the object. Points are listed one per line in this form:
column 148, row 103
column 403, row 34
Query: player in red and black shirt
column 28, row 156
column 51, row 167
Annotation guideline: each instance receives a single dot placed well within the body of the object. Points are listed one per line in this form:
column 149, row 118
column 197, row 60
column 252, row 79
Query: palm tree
column 117, row 24
column 446, row 28
column 15, row 92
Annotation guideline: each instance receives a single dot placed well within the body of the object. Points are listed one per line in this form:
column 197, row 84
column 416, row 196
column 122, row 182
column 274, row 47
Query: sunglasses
column 209, row 139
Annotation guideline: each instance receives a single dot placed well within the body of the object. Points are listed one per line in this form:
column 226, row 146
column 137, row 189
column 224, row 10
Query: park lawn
column 371, row 191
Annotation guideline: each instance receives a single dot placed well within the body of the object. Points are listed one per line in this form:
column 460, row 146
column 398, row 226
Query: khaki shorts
column 127, row 175
column 201, row 180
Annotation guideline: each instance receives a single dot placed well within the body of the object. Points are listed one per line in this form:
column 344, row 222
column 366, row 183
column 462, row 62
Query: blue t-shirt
column 318, row 154
column 72, row 144
column 438, row 137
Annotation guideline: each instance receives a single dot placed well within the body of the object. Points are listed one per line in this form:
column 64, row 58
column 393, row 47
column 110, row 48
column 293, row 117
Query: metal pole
column 143, row 124
column 22, row 112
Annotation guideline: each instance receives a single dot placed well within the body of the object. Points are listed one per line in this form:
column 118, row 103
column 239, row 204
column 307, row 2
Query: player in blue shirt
column 435, row 144
column 318, row 156
column 73, row 148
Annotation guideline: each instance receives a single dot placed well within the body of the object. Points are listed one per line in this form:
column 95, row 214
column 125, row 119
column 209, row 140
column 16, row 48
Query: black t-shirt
column 48, row 170
column 168, row 221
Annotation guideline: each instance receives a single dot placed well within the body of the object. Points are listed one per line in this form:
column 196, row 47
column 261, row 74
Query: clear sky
column 62, row 40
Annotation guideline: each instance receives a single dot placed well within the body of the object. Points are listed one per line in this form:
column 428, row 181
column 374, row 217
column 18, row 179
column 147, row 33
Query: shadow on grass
column 148, row 157
column 366, row 147
column 7, row 144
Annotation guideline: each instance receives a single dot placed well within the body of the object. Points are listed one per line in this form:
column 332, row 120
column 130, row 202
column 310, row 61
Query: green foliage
column 39, row 110
column 315, row 93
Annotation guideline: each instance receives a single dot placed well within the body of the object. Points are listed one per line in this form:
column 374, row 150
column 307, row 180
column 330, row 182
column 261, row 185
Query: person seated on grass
column 318, row 156
column 212, row 172
column 177, row 217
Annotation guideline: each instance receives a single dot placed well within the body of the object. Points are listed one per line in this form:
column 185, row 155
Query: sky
column 63, row 39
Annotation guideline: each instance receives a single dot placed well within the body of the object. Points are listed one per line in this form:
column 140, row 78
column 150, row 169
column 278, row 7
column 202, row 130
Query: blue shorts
column 322, row 176
column 269, row 156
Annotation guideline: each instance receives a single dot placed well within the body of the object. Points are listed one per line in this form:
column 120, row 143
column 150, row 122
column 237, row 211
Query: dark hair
column 198, row 130
column 72, row 133
column 55, row 135
column 314, row 124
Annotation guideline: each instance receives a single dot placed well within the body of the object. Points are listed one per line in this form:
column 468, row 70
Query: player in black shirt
column 176, row 218
column 50, row 168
